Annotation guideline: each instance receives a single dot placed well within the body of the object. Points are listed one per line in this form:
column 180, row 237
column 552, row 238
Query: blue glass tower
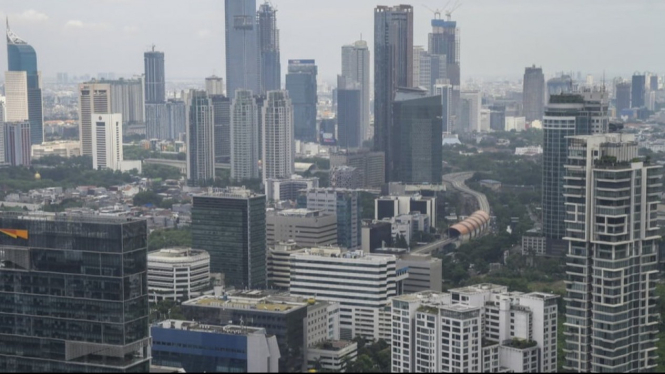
column 22, row 57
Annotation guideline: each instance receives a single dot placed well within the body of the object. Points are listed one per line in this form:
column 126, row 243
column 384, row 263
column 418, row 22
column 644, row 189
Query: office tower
column 341, row 202
column 93, row 316
column 214, row 85
column 157, row 124
column 445, row 90
column 227, row 348
column 370, row 164
column 585, row 114
column 445, row 40
column 361, row 283
column 349, row 116
column 177, row 117
column 107, row 141
column 16, row 96
column 417, row 147
column 612, row 232
column 17, row 143
column 355, row 66
column 178, row 274
column 200, row 138
column 471, row 103
column 222, row 119
column 497, row 117
column 277, row 134
column 297, row 323
column 393, row 67
column 501, row 330
column 155, row 83
column 638, row 90
column 622, row 92
column 242, row 52
column 244, row 136
column 22, row 58
column 123, row 96
column 270, row 68
column 288, row 188
column 653, row 82
column 231, row 226
column 559, row 85
column 304, row 227
column 533, row 93
column 301, row 85
column 427, row 69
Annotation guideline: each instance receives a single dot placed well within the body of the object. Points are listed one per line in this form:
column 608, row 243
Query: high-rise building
column 497, row 117
column 559, row 85
column 23, row 58
column 200, row 138
column 107, row 141
column 371, row 165
column 222, row 118
column 17, row 143
column 566, row 115
column 471, row 103
column 638, row 90
column 270, row 68
column 178, row 274
column 417, row 147
column 612, row 232
column 500, row 330
column 355, row 66
column 155, row 82
column 341, row 202
column 301, row 85
column 214, row 85
column 277, row 134
column 445, row 40
column 393, row 67
column 349, row 116
column 16, row 96
column 533, row 93
column 428, row 69
column 177, row 117
column 242, row 52
column 361, row 283
column 96, row 316
column 2, row 132
column 622, row 91
column 345, row 177
column 157, row 121
column 445, row 90
column 231, row 226
column 244, row 136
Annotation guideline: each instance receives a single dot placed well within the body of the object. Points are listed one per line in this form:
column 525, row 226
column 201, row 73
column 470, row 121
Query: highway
column 456, row 181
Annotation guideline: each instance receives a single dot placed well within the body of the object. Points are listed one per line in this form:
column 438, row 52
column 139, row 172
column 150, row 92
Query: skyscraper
column 107, row 141
column 278, row 152
column 242, row 52
column 622, row 91
column 428, row 69
column 222, row 118
column 301, row 84
column 355, row 66
column 17, row 143
column 93, row 316
column 155, row 82
column 418, row 144
column 470, row 105
column 566, row 115
column 533, row 94
column 16, row 93
column 271, row 68
column 445, row 40
column 444, row 90
column 231, row 226
column 638, row 90
column 349, row 107
column 22, row 57
column 393, row 67
column 157, row 124
column 244, row 136
column 200, row 138
column 612, row 233
column 215, row 85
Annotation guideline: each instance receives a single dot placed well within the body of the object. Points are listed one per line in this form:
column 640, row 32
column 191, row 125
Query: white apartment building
column 107, row 141
column 482, row 328
column 362, row 284
column 177, row 273
column 244, row 136
column 278, row 136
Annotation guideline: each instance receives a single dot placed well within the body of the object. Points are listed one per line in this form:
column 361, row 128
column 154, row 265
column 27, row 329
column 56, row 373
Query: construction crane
column 455, row 6
column 445, row 10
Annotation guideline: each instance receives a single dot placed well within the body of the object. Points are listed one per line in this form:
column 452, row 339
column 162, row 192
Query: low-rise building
column 288, row 188
column 375, row 234
column 331, row 355
column 178, row 273
column 279, row 264
column 394, row 205
column 306, row 227
column 65, row 148
column 425, row 272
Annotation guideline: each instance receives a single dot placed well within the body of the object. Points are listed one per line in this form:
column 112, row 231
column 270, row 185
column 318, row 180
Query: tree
column 147, row 198
column 400, row 241
column 159, row 239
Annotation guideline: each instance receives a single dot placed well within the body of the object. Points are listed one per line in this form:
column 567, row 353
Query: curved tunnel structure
column 471, row 227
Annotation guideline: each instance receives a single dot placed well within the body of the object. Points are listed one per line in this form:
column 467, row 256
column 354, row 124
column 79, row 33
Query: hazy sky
column 498, row 37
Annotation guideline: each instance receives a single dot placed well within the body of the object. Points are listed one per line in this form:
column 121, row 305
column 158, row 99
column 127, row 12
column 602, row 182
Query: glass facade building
column 533, row 93
column 155, row 87
column 638, row 89
column 200, row 139
column 231, row 226
column 73, row 294
column 301, row 85
column 271, row 67
column 242, row 52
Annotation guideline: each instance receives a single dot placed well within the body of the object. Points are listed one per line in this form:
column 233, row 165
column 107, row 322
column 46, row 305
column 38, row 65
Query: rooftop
column 65, row 217
column 230, row 192
column 177, row 254
column 195, row 326
column 481, row 288
column 253, row 300
column 334, row 345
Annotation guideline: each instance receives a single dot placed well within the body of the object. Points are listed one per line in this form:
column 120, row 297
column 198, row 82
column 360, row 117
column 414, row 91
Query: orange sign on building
column 23, row 234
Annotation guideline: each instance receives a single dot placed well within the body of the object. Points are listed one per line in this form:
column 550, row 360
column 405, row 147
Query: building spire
column 13, row 38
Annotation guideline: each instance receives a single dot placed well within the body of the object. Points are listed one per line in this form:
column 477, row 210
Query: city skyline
column 539, row 40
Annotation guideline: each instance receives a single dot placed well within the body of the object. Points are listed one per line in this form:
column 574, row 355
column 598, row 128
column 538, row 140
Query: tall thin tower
column 533, row 93
column 355, row 66
column 242, row 53
column 445, row 40
column 278, row 136
column 155, row 87
column 393, row 68
column 271, row 68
